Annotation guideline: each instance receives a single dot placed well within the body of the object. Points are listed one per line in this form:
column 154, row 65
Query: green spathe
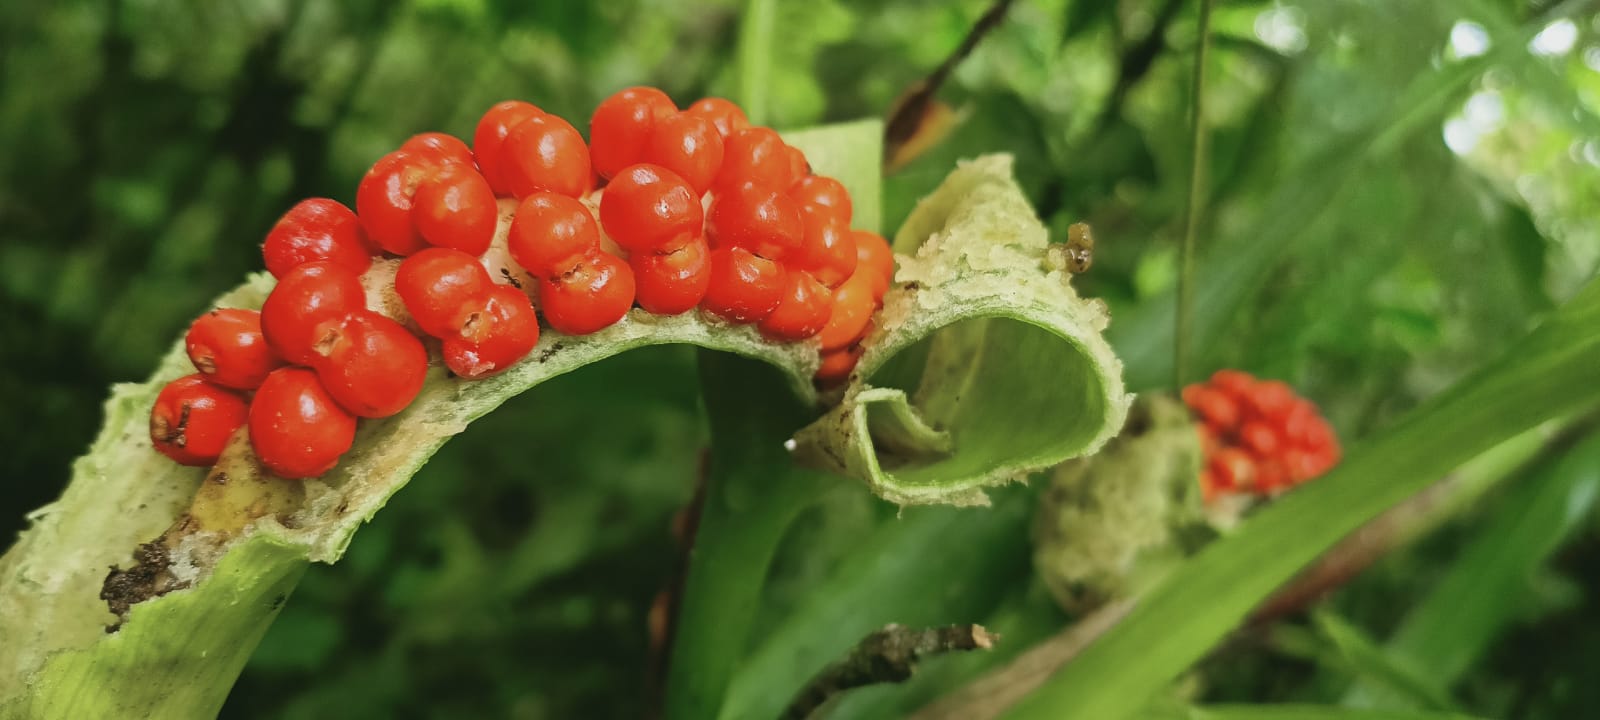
column 176, row 655
column 985, row 364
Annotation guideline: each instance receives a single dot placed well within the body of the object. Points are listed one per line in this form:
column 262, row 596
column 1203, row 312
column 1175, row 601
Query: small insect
column 1080, row 248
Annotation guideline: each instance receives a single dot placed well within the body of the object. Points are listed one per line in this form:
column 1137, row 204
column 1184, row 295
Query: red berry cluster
column 696, row 209
column 1258, row 436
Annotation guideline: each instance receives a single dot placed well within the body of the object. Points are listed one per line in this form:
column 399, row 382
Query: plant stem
column 753, row 494
column 755, row 57
column 1197, row 169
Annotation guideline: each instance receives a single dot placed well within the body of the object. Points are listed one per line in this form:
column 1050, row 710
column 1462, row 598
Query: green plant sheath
column 176, row 655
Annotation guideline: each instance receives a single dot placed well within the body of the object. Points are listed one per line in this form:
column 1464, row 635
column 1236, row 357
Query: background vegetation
column 1397, row 191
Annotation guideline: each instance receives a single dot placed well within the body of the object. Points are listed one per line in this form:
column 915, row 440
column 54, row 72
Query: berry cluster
column 695, row 209
column 1258, row 436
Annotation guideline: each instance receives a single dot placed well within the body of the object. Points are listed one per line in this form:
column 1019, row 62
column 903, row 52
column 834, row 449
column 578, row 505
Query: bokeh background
column 1397, row 190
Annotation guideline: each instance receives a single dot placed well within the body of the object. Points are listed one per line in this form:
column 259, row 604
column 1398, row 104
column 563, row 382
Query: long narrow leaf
column 1550, row 373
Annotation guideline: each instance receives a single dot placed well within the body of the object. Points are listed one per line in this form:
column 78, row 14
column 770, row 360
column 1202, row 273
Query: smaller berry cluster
column 695, row 209
column 1258, row 436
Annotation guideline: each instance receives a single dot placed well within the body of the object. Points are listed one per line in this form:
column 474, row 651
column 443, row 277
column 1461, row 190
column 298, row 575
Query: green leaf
column 985, row 364
column 1367, row 660
column 1548, row 374
column 1299, row 712
column 1487, row 586
column 887, row 579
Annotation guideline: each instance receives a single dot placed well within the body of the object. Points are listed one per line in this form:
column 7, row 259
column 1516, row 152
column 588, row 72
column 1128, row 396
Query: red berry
column 1271, row 476
column 755, row 154
column 491, row 134
column 648, row 208
column 192, row 420
column 799, row 167
column 1272, row 399
column 373, row 367
column 823, row 192
column 828, row 251
column 591, row 296
column 873, row 251
column 674, row 281
column 306, row 304
column 1234, row 468
column 803, row 311
column 688, row 145
column 440, row 287
column 1259, row 438
column 227, row 347
column 502, row 331
column 757, row 218
column 456, row 209
column 296, row 427
column 1233, row 382
column 550, row 234
column 837, row 364
column 621, row 124
column 723, row 114
column 384, row 199
column 744, row 287
column 546, row 153
column 853, row 305
column 1218, row 410
column 316, row 229
column 439, row 148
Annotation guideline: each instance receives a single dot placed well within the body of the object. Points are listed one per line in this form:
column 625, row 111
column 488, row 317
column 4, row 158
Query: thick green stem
column 753, row 494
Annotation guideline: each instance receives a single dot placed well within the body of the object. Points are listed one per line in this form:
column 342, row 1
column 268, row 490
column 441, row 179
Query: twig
column 907, row 115
column 1191, row 211
column 990, row 695
column 888, row 655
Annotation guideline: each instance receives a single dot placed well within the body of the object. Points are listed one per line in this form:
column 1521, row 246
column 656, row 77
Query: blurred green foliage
column 1396, row 192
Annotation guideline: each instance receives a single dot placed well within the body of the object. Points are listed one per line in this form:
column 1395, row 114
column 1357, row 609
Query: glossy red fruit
column 384, row 199
column 305, row 305
column 1259, row 438
column 688, row 145
column 439, row 148
column 316, row 229
column 1218, row 409
column 373, row 367
column 591, row 296
column 545, row 153
column 192, row 420
column 502, row 331
column 799, row 167
column 648, row 208
column 825, row 193
column 296, row 427
column 873, row 251
column 227, row 347
column 837, row 364
column 440, row 287
column 828, row 250
column 672, row 282
column 803, row 311
column 621, row 125
column 744, row 287
column 853, row 305
column 1233, row 382
column 757, row 218
column 456, row 209
column 1234, row 468
column 1271, row 399
column 550, row 234
column 491, row 134
column 755, row 154
column 723, row 114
